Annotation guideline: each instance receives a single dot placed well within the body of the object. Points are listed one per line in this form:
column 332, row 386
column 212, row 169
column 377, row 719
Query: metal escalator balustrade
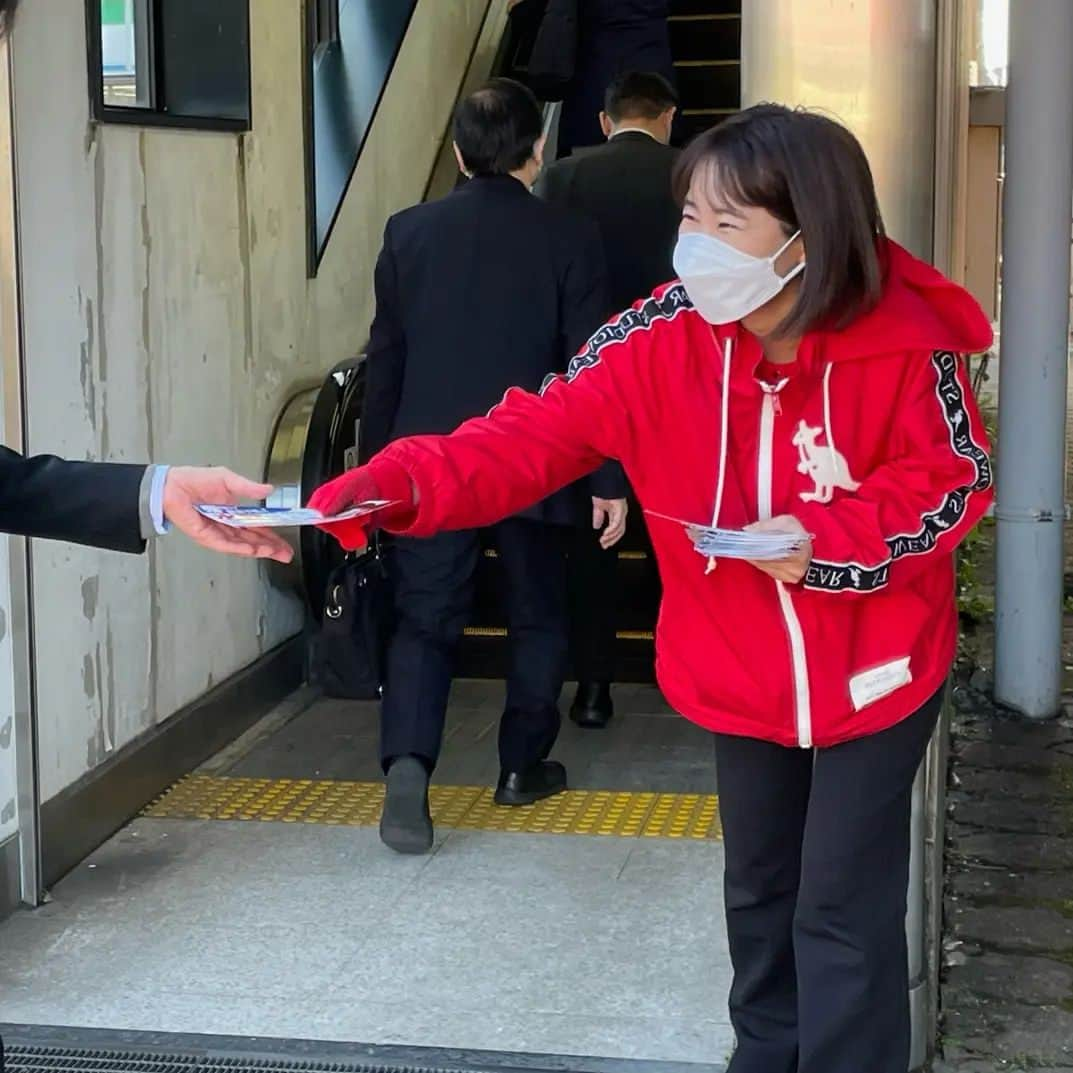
column 315, row 439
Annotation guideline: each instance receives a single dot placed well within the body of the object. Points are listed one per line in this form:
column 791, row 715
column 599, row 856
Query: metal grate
column 358, row 804
column 73, row 1060
column 55, row 1049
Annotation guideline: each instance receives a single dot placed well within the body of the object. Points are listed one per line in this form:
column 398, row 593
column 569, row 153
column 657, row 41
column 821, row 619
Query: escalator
column 706, row 48
column 318, row 429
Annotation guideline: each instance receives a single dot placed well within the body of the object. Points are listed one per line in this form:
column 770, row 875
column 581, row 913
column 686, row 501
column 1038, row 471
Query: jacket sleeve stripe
column 854, row 577
column 664, row 307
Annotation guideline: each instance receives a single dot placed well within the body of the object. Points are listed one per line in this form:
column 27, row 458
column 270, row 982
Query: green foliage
column 976, row 597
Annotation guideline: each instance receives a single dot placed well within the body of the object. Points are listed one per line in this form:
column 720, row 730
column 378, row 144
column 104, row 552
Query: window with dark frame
column 350, row 50
column 183, row 63
column 325, row 23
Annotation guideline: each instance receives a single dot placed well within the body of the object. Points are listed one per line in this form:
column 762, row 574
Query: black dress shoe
column 592, row 707
column 526, row 787
column 405, row 823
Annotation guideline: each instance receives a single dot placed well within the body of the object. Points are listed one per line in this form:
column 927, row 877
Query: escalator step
column 704, row 8
column 623, row 556
column 704, row 84
column 706, row 38
column 501, row 633
column 693, row 122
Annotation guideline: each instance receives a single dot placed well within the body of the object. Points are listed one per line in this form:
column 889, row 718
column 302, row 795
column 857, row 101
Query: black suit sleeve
column 92, row 503
column 385, row 360
column 585, row 301
column 585, row 308
column 550, row 185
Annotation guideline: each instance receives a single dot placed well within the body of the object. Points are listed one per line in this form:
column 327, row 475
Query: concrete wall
column 871, row 64
column 167, row 313
column 9, row 404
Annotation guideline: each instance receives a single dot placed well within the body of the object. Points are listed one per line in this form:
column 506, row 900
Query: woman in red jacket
column 805, row 374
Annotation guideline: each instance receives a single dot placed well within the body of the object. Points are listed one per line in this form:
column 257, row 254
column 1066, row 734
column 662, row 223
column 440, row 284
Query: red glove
column 377, row 480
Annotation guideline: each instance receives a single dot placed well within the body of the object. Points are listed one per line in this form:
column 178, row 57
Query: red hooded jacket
column 875, row 444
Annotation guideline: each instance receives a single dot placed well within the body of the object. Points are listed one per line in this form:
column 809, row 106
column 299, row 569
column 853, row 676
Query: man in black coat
column 625, row 187
column 572, row 49
column 614, row 36
column 487, row 289
column 118, row 506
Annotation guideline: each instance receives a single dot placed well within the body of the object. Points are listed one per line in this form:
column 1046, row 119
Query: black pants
column 817, row 867
column 433, row 586
column 593, row 587
column 595, row 582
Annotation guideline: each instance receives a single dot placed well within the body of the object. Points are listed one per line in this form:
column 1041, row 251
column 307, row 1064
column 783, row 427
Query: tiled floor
column 560, row 944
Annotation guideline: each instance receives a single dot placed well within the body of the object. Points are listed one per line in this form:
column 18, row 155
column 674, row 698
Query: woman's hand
column 378, row 480
column 790, row 570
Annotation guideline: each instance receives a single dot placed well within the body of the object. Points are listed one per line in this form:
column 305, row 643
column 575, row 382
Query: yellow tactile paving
column 357, row 804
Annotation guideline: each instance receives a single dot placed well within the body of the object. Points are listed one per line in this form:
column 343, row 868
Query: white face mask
column 723, row 283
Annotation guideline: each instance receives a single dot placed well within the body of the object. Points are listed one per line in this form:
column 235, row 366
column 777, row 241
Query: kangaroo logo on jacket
column 826, row 466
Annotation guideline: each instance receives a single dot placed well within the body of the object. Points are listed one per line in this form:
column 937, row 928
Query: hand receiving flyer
column 715, row 543
column 285, row 517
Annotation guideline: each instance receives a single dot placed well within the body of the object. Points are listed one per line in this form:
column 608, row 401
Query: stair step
column 623, row 556
column 705, row 39
column 715, row 84
column 637, row 582
column 484, row 656
column 501, row 632
column 704, row 9
column 692, row 123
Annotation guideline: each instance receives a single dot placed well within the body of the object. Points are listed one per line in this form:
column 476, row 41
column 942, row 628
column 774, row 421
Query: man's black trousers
column 433, row 582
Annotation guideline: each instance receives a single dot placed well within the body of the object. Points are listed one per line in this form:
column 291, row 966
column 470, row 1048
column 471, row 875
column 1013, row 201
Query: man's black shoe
column 405, row 823
column 592, row 707
column 526, row 787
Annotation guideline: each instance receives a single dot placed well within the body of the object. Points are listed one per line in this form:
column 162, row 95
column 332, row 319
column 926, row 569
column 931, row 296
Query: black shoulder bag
column 352, row 647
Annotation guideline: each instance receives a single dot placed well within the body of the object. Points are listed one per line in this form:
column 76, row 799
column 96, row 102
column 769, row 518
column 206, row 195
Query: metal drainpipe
column 1037, row 198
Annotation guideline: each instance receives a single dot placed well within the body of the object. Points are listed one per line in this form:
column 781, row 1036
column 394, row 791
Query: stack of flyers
column 285, row 517
column 715, row 543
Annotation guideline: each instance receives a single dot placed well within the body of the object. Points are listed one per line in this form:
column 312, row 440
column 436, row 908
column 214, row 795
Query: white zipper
column 802, row 698
column 764, row 466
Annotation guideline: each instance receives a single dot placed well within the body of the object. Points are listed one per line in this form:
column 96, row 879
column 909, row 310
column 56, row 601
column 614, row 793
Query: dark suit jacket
column 625, row 187
column 614, row 36
column 488, row 288
column 90, row 503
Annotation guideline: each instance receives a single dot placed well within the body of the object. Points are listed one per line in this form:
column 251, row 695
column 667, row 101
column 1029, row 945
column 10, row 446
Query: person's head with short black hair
column 642, row 100
column 7, row 9
column 769, row 173
column 499, row 130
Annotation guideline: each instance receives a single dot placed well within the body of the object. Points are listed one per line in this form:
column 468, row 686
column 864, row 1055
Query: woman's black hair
column 812, row 175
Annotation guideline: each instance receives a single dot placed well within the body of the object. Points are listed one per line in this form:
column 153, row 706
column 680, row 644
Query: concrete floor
column 609, row 947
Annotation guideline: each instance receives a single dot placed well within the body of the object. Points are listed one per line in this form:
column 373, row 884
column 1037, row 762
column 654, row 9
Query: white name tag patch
column 869, row 686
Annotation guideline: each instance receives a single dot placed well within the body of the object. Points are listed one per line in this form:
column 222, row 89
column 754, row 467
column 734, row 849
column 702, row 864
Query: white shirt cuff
column 156, row 500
